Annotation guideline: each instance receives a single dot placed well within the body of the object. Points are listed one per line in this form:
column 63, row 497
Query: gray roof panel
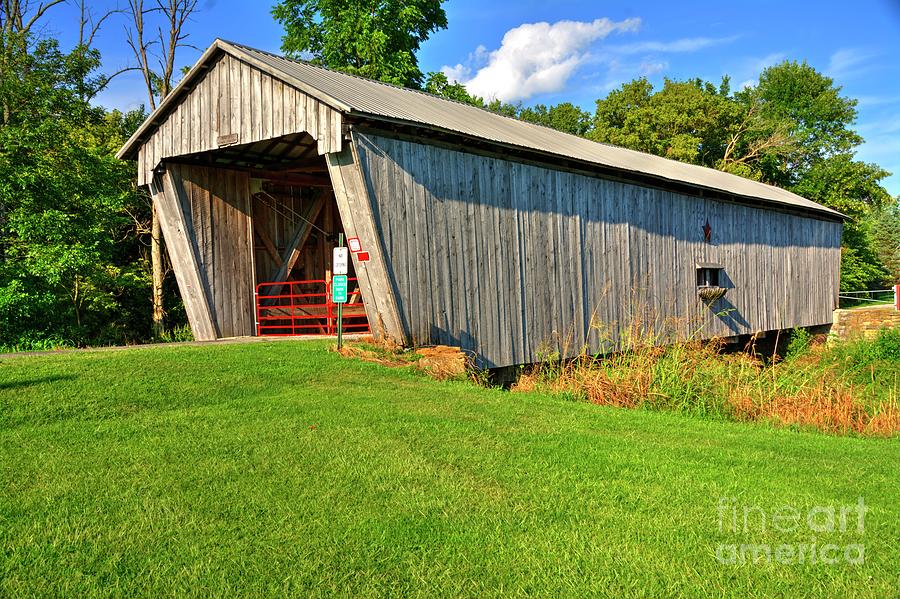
column 374, row 99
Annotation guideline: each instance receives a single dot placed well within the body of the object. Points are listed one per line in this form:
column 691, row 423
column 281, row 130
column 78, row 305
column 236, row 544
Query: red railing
column 305, row 308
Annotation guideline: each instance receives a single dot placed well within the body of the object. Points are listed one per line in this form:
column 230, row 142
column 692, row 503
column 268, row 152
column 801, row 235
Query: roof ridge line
column 412, row 89
column 491, row 112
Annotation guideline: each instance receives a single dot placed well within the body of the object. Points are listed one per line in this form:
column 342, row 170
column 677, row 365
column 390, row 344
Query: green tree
column 375, row 39
column 685, row 120
column 845, row 184
column 618, row 119
column 853, row 188
column 563, row 117
column 884, row 230
column 821, row 119
column 437, row 83
column 70, row 264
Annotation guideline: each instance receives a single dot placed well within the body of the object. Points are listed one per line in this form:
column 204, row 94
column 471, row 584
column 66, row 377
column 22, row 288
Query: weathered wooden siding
column 174, row 217
column 235, row 98
column 511, row 260
column 356, row 212
column 208, row 233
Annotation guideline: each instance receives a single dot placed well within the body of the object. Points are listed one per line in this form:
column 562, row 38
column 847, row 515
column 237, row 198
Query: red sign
column 362, row 256
column 354, row 244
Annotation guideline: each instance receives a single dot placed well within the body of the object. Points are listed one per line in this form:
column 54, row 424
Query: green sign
column 339, row 289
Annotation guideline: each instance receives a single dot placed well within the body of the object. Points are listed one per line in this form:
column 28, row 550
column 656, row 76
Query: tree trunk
column 159, row 325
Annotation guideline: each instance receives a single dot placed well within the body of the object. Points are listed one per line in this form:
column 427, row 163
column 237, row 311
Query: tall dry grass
column 646, row 369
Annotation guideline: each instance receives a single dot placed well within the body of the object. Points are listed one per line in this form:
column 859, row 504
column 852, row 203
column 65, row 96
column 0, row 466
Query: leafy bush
column 799, row 344
column 26, row 343
column 887, row 345
column 177, row 334
column 862, row 353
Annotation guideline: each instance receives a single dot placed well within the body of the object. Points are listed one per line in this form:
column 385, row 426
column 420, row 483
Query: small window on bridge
column 708, row 274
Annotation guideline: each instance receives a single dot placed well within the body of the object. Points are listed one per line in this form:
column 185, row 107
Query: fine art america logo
column 840, row 525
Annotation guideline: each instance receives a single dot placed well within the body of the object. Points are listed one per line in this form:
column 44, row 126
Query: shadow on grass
column 33, row 382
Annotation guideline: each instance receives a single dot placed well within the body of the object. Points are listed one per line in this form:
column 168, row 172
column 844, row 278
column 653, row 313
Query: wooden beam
column 316, row 168
column 298, row 240
column 260, row 229
column 261, row 171
column 300, row 165
column 297, row 179
column 355, row 207
column 173, row 209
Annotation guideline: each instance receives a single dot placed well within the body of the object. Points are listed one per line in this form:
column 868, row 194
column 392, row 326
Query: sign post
column 340, row 263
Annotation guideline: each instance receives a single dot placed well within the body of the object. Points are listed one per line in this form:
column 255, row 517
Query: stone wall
column 864, row 322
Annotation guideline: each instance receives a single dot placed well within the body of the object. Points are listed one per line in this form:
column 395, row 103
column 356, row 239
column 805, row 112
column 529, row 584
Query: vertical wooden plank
column 226, row 234
column 450, row 167
column 289, row 102
column 277, row 108
column 337, row 136
column 141, row 176
column 505, row 241
column 258, row 113
column 300, row 120
column 418, row 328
column 493, row 336
column 322, row 128
column 224, row 92
column 234, row 96
column 167, row 193
column 250, row 276
column 246, row 98
column 312, row 118
column 354, row 205
column 165, row 134
column 176, row 130
column 203, row 123
column 266, row 106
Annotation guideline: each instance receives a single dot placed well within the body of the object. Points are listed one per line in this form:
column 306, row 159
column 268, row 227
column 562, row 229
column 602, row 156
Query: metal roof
column 374, row 99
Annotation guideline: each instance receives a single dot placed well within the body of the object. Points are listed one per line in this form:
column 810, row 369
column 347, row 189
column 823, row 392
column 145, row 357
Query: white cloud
column 534, row 58
column 748, row 72
column 890, row 124
column 688, row 44
column 761, row 64
column 648, row 68
column 848, row 62
column 877, row 100
column 458, row 73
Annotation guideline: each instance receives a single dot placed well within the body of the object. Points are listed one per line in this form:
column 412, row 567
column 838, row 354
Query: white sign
column 355, row 245
column 340, row 260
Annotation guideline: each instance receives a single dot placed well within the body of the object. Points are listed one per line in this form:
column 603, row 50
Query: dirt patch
column 443, row 362
column 440, row 362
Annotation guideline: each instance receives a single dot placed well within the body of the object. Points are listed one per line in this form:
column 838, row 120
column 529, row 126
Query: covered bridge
column 474, row 229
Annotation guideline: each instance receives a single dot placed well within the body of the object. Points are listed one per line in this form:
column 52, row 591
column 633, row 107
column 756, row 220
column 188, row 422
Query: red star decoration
column 707, row 231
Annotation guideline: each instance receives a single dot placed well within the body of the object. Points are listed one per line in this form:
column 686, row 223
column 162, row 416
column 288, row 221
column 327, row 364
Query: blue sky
column 544, row 51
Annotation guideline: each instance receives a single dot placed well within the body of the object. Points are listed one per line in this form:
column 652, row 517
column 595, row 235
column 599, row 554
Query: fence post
column 329, row 314
column 256, row 311
column 293, row 311
column 896, row 297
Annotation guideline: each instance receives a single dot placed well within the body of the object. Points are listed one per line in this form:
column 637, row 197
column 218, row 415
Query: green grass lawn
column 282, row 468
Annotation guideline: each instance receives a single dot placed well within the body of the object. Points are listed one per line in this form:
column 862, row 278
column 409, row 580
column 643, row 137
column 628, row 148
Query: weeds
column 799, row 344
column 440, row 362
column 845, row 388
column 176, row 334
column 27, row 344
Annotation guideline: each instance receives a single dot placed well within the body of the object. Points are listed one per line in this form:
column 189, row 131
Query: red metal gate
column 305, row 308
